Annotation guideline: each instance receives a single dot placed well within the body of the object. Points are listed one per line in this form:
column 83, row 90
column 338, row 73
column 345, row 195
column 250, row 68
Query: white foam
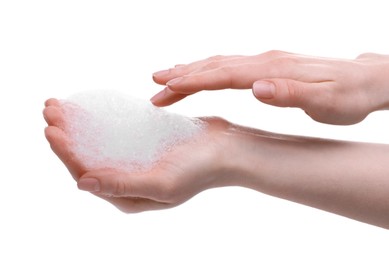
column 111, row 130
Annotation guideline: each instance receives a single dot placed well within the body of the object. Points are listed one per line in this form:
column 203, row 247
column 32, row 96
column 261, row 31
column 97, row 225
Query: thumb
column 283, row 92
column 119, row 184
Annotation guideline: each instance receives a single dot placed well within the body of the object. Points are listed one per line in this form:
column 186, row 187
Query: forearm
column 346, row 178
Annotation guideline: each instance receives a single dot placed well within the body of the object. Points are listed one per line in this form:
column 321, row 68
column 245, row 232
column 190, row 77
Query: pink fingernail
column 264, row 89
column 174, row 81
column 161, row 73
column 89, row 184
column 158, row 96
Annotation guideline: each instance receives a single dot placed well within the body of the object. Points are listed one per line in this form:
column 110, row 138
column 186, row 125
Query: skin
column 346, row 178
column 333, row 91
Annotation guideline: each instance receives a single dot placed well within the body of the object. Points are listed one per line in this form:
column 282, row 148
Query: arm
column 346, row 178
column 334, row 91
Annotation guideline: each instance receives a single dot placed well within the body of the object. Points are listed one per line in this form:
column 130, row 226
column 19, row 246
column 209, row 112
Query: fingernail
column 158, row 96
column 161, row 73
column 89, row 184
column 174, row 81
column 264, row 89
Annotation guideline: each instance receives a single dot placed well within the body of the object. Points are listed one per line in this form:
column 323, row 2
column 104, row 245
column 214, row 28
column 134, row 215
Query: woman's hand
column 333, row 91
column 183, row 172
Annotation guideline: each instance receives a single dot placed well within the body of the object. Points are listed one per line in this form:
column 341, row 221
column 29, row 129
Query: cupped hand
column 181, row 173
column 334, row 91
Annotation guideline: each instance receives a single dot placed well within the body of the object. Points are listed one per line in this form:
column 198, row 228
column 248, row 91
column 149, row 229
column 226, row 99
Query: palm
column 181, row 173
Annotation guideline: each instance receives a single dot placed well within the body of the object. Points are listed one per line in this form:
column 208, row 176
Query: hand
column 183, row 172
column 331, row 91
column 325, row 174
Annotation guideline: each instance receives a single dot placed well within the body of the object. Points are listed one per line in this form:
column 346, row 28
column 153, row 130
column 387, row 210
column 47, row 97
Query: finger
column 166, row 97
column 274, row 58
column 235, row 61
column 242, row 76
column 203, row 81
column 61, row 146
column 122, row 184
column 52, row 102
column 237, row 77
column 161, row 77
column 287, row 92
column 219, row 61
column 135, row 205
column 370, row 55
column 53, row 116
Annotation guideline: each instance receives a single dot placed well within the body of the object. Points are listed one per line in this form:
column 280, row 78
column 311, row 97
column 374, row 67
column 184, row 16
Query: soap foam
column 110, row 130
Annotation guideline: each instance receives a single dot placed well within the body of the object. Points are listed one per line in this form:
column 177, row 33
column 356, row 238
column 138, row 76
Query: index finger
column 162, row 77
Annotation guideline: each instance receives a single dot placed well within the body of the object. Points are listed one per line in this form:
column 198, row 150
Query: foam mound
column 111, row 130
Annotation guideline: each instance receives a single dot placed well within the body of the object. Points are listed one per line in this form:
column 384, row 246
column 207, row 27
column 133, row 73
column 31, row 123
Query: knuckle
column 294, row 92
column 366, row 55
column 285, row 61
column 274, row 53
column 215, row 58
column 213, row 65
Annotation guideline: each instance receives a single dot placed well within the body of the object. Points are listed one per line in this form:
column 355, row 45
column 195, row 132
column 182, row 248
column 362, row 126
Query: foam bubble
column 111, row 130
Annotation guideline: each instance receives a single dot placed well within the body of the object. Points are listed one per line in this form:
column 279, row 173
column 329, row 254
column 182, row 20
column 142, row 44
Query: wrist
column 244, row 156
column 377, row 81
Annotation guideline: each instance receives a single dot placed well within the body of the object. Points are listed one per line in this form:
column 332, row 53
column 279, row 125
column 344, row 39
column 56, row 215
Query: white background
column 55, row 48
